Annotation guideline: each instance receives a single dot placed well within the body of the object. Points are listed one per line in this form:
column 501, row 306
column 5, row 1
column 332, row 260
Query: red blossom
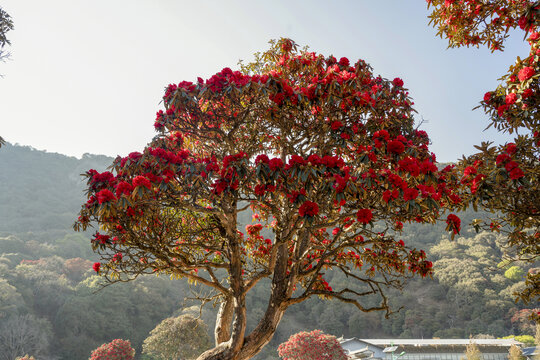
column 396, row 147
column 364, row 216
column 344, row 61
column 510, row 165
column 454, row 223
column 398, row 82
column 511, row 98
column 502, row 158
column 501, row 109
column 96, row 266
column 511, row 149
column 261, row 159
column 308, row 208
column 104, row 196
column 470, row 170
column 123, row 188
column 296, row 159
column 336, row 125
column 516, row 173
column 527, row 93
column 526, row 73
column 275, row 164
column 141, row 181
column 259, row 190
column 410, row 194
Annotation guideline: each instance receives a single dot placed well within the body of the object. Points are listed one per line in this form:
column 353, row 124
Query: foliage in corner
column 504, row 179
column 6, row 24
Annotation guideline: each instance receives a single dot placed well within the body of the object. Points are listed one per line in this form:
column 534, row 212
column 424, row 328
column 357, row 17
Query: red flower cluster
column 514, row 171
column 364, row 216
column 123, row 188
column 454, row 223
column 395, row 147
column 525, row 73
column 141, row 181
column 308, row 208
column 410, row 194
column 398, row 82
column 253, row 230
column 117, row 349
column 105, row 195
column 101, row 239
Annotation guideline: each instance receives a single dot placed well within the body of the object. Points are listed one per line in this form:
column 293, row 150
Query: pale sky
column 88, row 76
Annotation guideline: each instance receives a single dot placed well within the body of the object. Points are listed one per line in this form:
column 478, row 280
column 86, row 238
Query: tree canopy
column 318, row 150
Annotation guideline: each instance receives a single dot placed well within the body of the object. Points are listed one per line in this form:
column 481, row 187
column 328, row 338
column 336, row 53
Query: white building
column 424, row 349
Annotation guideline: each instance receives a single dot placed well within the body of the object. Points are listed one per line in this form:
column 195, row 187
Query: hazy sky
column 88, row 76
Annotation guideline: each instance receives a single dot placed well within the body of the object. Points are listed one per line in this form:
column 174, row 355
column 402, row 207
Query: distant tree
column 177, row 338
column 117, row 349
column 76, row 268
column 319, row 148
column 314, row 345
column 515, row 273
column 42, row 285
column 24, row 334
column 472, row 352
column 521, row 319
column 515, row 353
column 10, row 299
column 504, row 179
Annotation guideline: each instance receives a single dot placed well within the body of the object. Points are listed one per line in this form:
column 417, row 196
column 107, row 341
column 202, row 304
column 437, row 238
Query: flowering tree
column 117, row 349
column 319, row 150
column 314, row 345
column 504, row 179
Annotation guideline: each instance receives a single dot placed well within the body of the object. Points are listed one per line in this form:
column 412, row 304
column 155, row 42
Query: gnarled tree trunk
column 238, row 347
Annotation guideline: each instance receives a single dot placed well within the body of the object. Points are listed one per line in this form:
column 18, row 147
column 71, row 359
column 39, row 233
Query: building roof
column 431, row 342
column 436, row 342
column 531, row 351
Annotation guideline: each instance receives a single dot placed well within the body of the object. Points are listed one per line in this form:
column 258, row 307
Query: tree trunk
column 253, row 343
column 225, row 315
column 240, row 348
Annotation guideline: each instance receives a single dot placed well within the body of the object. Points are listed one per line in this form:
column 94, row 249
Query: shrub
column 117, row 349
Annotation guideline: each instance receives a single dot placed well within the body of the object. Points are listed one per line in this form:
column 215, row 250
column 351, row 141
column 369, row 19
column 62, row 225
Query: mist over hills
column 41, row 190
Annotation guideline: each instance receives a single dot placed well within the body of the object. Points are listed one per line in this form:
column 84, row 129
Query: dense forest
column 50, row 294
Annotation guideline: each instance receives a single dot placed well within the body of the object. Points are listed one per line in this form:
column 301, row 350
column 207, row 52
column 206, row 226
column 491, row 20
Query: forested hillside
column 49, row 292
